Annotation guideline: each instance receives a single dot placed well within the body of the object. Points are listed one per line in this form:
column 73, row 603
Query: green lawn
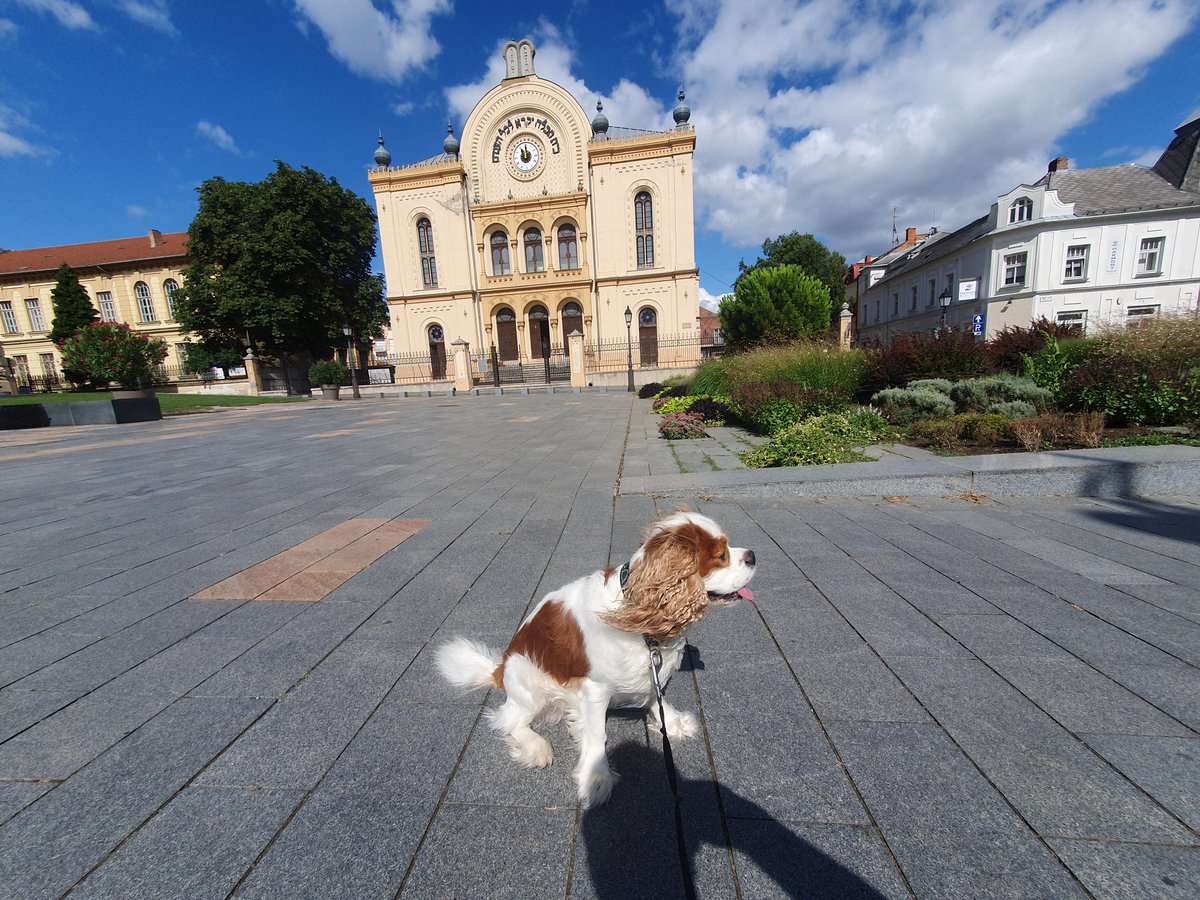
column 172, row 404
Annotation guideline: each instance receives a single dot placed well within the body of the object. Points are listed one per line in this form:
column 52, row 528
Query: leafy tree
column 774, row 305
column 286, row 260
column 109, row 352
column 811, row 255
column 199, row 358
column 73, row 308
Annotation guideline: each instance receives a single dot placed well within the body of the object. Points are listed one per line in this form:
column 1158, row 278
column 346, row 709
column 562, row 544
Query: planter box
column 80, row 412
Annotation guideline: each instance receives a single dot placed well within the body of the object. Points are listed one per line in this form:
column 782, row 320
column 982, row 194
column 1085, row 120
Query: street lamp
column 348, row 332
column 629, row 344
column 945, row 298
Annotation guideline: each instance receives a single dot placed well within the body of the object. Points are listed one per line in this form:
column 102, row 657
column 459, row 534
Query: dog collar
column 624, row 574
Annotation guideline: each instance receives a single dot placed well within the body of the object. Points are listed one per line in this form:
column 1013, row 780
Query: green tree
column 286, row 261
column 774, row 305
column 73, row 308
column 809, row 254
column 108, row 352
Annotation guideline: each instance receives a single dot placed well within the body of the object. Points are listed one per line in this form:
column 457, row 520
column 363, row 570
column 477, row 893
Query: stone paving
column 959, row 696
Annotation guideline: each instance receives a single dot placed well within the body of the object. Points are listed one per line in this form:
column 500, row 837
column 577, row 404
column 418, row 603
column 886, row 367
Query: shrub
column 913, row 355
column 672, row 390
column 941, row 385
column 681, row 426
column 646, row 391
column 667, row 405
column 328, row 371
column 111, row 352
column 711, row 377
column 1043, row 432
column 1051, row 365
column 1132, row 390
column 900, row 405
column 820, row 440
column 1013, row 409
column 713, row 410
column 984, row 428
column 1008, row 347
column 944, row 433
column 969, row 395
column 983, row 393
column 1085, row 429
column 1027, row 433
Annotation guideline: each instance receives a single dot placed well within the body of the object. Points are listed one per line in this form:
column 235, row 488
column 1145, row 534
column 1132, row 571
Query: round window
column 647, row 318
column 436, row 334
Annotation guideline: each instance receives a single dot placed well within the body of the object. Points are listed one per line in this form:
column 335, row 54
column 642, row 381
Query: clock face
column 526, row 156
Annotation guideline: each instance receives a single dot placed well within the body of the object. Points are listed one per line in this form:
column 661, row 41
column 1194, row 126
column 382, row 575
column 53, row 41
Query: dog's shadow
column 630, row 848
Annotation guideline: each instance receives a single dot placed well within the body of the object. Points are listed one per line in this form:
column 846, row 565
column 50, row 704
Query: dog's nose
column 749, row 557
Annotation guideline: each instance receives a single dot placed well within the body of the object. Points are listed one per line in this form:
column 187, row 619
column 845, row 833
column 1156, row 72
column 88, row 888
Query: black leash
column 685, row 864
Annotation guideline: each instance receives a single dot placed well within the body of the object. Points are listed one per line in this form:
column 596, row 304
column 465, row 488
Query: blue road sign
column 977, row 324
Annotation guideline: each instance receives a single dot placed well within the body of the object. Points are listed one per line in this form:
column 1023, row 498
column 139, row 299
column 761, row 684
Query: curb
column 1108, row 472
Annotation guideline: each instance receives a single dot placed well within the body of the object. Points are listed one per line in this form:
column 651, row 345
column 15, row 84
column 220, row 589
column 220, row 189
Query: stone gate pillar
column 462, row 365
column 575, row 351
column 844, row 321
column 253, row 376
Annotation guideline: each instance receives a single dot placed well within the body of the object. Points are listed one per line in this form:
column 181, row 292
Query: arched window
column 500, row 264
column 572, row 319
column 568, row 248
column 643, row 226
column 170, row 286
column 141, row 290
column 533, row 251
column 1021, row 210
column 425, row 244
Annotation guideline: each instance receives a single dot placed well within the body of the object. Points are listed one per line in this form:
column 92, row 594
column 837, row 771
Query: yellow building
column 539, row 224
column 130, row 280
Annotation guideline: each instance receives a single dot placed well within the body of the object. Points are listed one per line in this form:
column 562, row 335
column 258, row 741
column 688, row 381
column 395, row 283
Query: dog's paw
column 682, row 725
column 532, row 753
column 596, row 787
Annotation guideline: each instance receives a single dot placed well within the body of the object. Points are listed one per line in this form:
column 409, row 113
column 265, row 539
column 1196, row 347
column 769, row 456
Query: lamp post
column 349, row 332
column 945, row 299
column 629, row 344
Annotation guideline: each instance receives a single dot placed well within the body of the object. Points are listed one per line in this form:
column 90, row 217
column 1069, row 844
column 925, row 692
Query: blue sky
column 814, row 116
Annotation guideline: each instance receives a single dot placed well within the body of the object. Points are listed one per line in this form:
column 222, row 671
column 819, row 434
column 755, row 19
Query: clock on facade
column 526, row 156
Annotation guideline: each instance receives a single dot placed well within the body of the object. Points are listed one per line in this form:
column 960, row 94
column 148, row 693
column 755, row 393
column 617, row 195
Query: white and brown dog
column 583, row 648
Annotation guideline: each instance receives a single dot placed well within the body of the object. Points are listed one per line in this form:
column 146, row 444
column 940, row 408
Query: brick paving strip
column 314, row 568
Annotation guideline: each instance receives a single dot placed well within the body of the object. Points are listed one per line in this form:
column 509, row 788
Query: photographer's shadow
column 629, row 843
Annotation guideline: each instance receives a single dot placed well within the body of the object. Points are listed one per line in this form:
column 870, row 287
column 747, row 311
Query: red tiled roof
column 98, row 253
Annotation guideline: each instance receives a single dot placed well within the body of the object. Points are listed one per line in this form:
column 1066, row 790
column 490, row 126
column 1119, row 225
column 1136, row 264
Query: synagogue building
column 540, row 223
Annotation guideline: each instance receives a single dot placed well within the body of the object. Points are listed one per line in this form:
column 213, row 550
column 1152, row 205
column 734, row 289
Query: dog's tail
column 468, row 664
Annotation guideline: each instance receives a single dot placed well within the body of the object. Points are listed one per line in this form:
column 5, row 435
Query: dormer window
column 1020, row 211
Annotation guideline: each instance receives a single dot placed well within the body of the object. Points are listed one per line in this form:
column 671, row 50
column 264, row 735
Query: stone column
column 575, row 351
column 462, row 365
column 844, row 321
column 253, row 376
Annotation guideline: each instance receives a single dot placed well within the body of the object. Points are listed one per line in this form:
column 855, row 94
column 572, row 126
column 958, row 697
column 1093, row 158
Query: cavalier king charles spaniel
column 584, row 647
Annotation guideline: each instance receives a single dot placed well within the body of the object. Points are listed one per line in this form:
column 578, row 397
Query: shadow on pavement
column 630, row 848
column 1180, row 523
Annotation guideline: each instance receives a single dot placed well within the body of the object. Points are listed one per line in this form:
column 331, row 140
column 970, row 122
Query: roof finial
column 382, row 157
column 600, row 122
column 450, row 144
column 682, row 113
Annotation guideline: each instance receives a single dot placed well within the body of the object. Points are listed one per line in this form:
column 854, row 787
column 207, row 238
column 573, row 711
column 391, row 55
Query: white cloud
column 375, row 43
column 710, row 301
column 11, row 144
column 8, row 28
column 820, row 116
column 69, row 15
column 151, row 13
column 403, row 108
column 220, row 138
column 136, row 212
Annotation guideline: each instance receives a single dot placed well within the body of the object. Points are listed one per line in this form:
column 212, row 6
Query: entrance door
column 648, row 337
column 506, row 334
column 539, row 333
column 437, row 352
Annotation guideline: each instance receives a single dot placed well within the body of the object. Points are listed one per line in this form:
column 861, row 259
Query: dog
column 584, row 647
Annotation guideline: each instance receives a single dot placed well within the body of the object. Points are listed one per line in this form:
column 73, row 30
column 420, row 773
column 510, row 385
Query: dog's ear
column 665, row 593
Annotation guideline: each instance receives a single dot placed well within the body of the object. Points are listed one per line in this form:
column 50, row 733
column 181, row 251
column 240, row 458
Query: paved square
column 934, row 696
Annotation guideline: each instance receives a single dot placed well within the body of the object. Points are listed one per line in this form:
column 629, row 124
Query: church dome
column 450, row 144
column 382, row 157
column 600, row 122
column 682, row 111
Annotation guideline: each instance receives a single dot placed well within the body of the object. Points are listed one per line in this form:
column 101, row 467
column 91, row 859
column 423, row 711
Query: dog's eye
column 724, row 556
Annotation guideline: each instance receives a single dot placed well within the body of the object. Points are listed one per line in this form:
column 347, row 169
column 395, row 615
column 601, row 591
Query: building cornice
column 641, row 145
column 417, row 175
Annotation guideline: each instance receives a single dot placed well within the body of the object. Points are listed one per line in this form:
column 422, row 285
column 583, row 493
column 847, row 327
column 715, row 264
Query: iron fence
column 409, row 368
column 665, row 352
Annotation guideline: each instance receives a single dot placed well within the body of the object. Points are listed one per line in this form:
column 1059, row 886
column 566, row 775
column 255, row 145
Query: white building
column 1085, row 247
column 541, row 223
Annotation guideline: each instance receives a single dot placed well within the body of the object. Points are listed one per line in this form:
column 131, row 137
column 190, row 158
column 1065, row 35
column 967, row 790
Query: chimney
column 867, row 259
column 155, row 238
column 910, row 235
column 1058, row 165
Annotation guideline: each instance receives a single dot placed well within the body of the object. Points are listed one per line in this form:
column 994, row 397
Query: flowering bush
column 681, row 425
column 112, row 352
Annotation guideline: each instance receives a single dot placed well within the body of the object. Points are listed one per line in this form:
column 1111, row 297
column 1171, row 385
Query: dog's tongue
column 746, row 594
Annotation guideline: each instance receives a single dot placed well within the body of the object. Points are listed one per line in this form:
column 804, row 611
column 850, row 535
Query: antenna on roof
column 895, row 234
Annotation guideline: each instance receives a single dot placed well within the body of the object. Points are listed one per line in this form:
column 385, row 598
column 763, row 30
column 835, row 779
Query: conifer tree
column 73, row 310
